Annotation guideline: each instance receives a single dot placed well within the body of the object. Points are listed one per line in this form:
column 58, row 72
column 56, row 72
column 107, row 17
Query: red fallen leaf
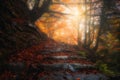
column 39, row 57
column 19, row 59
column 78, row 79
column 41, row 74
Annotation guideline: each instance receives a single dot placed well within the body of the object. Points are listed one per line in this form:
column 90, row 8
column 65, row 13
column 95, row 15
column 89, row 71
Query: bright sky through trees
column 64, row 28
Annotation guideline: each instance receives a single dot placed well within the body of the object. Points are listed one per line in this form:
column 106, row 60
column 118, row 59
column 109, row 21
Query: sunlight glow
column 66, row 28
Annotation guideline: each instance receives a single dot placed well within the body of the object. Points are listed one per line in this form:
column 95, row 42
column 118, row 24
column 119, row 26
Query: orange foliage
column 66, row 1
column 41, row 26
column 64, row 28
column 57, row 7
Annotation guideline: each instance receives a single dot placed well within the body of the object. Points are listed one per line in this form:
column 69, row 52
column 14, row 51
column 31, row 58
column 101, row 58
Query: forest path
column 49, row 61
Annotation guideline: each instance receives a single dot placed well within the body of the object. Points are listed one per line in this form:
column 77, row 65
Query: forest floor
column 49, row 61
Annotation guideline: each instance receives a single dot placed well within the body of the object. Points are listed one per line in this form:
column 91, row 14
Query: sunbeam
column 66, row 28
